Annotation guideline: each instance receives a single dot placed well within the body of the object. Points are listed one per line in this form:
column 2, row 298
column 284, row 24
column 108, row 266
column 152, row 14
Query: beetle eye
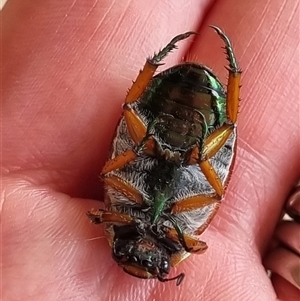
column 165, row 266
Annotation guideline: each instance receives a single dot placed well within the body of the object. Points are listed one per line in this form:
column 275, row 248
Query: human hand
column 66, row 68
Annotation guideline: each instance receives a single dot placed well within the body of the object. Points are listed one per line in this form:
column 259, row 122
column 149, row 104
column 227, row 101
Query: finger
column 288, row 233
column 284, row 263
column 64, row 79
column 283, row 260
column 66, row 74
column 267, row 162
column 284, row 289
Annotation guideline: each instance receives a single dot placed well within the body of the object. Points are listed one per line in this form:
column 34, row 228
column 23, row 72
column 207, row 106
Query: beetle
column 171, row 160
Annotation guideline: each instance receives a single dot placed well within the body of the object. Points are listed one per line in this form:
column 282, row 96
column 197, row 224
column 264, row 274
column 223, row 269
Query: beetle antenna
column 179, row 278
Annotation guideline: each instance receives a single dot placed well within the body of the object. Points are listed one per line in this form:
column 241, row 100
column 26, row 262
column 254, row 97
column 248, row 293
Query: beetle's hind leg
column 215, row 141
column 233, row 84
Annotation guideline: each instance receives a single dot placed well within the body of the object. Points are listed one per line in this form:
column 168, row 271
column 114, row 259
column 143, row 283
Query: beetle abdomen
column 184, row 102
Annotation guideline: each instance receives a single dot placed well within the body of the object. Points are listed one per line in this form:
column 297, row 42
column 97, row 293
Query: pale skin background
column 66, row 68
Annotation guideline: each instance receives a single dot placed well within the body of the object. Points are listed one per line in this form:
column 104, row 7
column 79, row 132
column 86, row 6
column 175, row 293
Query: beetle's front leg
column 150, row 67
column 104, row 216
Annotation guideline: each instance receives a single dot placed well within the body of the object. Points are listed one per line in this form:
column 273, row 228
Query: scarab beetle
column 171, row 159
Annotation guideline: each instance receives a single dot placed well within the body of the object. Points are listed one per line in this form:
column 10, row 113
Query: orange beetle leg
column 193, row 244
column 103, row 216
column 233, row 93
column 119, row 161
column 141, row 82
column 194, row 203
column 138, row 131
column 233, row 85
column 198, row 202
column 216, row 140
column 136, row 271
column 135, row 126
column 178, row 257
column 150, row 67
column 125, row 188
column 207, row 169
column 212, row 177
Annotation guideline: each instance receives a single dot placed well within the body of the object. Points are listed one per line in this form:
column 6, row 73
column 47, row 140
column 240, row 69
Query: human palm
column 65, row 76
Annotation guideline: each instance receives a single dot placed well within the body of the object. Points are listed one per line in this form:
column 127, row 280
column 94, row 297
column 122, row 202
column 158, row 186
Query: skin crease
column 66, row 68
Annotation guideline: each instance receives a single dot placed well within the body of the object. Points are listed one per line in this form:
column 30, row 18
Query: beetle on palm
column 171, row 159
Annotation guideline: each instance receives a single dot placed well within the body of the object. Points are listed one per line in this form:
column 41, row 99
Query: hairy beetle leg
column 124, row 158
column 136, row 127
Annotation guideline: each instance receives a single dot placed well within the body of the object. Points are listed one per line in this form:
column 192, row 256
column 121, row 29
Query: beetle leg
column 189, row 243
column 178, row 257
column 125, row 188
column 216, row 140
column 195, row 202
column 135, row 126
column 198, row 202
column 150, row 67
column 212, row 144
column 122, row 159
column 212, row 177
column 138, row 132
column 103, row 216
column 144, row 274
column 208, row 171
column 233, row 85
column 119, row 161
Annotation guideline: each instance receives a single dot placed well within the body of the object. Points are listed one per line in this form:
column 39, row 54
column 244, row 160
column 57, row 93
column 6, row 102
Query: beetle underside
column 171, row 161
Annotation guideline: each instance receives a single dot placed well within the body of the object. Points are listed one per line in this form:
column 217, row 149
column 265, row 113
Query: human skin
column 66, row 68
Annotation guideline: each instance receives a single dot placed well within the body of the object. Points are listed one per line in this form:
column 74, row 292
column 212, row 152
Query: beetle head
column 141, row 255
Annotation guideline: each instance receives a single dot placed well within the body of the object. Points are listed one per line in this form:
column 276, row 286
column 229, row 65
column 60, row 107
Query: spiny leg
column 125, row 188
column 150, row 67
column 195, row 202
column 217, row 139
column 122, row 159
column 136, row 127
column 233, row 85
